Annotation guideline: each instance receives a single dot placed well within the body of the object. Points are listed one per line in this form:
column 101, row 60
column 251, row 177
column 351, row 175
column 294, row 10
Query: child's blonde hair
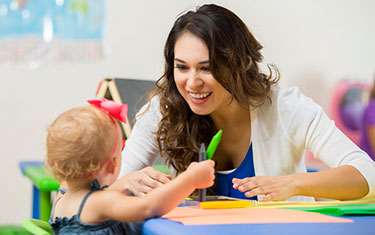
column 79, row 142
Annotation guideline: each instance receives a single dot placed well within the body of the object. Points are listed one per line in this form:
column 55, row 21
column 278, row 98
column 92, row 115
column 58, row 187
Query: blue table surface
column 363, row 225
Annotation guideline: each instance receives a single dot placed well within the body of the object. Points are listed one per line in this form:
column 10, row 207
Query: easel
column 133, row 92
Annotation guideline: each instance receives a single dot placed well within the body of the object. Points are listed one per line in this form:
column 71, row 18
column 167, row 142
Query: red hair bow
column 116, row 110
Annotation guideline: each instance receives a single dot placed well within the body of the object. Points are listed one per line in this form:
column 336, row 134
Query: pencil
column 202, row 156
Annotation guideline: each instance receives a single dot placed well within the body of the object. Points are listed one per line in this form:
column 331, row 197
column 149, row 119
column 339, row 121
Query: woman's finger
column 157, row 175
column 247, row 185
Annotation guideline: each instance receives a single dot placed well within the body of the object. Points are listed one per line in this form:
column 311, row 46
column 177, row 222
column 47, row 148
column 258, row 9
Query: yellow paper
column 282, row 204
column 225, row 204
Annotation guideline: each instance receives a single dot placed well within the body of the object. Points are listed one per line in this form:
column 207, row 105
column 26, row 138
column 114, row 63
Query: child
column 84, row 151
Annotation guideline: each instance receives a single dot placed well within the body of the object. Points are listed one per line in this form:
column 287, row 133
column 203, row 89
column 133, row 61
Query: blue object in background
column 64, row 19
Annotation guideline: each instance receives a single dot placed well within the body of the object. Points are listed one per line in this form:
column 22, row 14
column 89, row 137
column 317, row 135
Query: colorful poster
column 45, row 31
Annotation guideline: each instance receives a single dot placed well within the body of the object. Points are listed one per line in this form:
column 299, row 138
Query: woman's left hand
column 274, row 188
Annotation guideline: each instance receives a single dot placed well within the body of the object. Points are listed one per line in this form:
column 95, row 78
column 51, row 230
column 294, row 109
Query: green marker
column 213, row 144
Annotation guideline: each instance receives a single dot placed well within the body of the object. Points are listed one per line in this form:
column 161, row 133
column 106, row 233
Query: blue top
column 224, row 181
column 73, row 225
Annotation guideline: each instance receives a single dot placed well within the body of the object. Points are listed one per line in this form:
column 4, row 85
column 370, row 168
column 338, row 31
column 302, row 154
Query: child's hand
column 202, row 173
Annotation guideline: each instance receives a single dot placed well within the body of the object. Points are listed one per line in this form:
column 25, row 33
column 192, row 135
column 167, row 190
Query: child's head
column 80, row 141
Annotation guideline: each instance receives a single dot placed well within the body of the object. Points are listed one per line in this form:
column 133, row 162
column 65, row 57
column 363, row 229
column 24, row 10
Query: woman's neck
column 232, row 116
column 235, row 141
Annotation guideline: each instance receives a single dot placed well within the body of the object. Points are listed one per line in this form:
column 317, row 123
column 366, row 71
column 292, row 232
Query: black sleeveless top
column 73, row 225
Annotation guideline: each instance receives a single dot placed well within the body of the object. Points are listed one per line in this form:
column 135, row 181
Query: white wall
column 314, row 43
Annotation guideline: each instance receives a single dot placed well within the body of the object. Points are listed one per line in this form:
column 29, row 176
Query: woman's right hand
column 203, row 173
column 141, row 182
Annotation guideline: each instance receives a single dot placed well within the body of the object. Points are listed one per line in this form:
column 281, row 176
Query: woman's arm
column 342, row 183
column 140, row 152
column 352, row 175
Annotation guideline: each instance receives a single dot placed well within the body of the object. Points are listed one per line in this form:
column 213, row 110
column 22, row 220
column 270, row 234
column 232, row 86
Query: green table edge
column 41, row 179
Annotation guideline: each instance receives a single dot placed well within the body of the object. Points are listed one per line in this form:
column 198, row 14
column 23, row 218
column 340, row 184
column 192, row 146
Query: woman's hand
column 139, row 183
column 275, row 188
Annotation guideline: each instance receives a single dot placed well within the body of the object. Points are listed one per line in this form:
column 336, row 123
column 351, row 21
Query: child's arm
column 117, row 206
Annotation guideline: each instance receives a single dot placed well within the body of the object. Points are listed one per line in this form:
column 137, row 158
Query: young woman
column 212, row 81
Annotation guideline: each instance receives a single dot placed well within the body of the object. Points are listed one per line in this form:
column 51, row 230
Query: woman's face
column 193, row 77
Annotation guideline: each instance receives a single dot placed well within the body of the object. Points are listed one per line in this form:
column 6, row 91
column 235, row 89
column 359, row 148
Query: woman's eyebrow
column 179, row 60
column 201, row 62
column 204, row 62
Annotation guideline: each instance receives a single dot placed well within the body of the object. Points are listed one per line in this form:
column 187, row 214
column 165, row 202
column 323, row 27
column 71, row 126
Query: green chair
column 37, row 227
column 10, row 229
column 43, row 184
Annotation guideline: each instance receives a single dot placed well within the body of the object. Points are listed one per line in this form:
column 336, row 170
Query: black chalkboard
column 134, row 92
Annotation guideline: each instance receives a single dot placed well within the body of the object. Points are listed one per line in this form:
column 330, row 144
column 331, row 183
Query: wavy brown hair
column 234, row 57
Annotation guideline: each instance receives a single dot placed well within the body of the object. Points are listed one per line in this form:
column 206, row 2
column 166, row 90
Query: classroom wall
column 315, row 43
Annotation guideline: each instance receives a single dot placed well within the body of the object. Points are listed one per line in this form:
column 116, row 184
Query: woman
column 212, row 81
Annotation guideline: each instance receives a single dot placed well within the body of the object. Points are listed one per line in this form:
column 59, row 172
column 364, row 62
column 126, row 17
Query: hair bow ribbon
column 116, row 110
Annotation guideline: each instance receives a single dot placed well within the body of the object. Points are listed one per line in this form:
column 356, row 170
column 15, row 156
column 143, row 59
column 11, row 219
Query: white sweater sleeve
column 141, row 148
column 320, row 135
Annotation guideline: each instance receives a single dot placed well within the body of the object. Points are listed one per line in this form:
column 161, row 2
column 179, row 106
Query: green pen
column 213, row 144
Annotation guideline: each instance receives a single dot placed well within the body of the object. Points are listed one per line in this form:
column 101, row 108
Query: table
column 363, row 225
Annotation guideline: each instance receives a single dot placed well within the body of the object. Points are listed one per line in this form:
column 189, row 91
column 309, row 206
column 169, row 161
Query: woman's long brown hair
column 234, row 56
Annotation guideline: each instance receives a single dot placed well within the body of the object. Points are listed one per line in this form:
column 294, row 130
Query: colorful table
column 364, row 225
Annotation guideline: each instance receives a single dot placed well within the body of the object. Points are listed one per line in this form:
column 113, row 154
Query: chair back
column 37, row 227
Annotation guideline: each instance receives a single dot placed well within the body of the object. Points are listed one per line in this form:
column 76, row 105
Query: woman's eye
column 206, row 68
column 181, row 67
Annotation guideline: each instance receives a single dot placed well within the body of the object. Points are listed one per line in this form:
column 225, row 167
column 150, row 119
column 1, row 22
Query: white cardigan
column 280, row 131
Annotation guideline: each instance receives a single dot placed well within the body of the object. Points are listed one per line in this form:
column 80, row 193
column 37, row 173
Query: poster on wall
column 37, row 32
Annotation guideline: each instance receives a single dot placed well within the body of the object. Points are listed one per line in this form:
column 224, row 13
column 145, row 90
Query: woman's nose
column 194, row 80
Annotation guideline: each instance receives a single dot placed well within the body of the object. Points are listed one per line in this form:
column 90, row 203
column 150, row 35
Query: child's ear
column 111, row 166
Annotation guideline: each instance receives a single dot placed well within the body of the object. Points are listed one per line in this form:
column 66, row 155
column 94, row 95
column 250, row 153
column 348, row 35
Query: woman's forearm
column 341, row 183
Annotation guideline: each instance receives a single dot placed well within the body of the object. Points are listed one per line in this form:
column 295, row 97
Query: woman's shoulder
column 279, row 92
column 291, row 97
column 150, row 111
column 289, row 107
